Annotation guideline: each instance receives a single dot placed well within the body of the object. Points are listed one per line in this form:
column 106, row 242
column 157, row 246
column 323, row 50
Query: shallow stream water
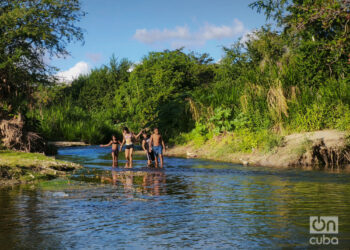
column 190, row 204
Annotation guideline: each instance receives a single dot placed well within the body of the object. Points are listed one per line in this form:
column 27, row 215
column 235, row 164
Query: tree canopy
column 30, row 32
column 321, row 24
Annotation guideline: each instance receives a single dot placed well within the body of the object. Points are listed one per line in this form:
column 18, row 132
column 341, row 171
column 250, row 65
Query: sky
column 133, row 28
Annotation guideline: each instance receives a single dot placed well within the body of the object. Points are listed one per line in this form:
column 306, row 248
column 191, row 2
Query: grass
column 19, row 156
column 303, row 147
column 243, row 141
column 21, row 167
column 23, row 159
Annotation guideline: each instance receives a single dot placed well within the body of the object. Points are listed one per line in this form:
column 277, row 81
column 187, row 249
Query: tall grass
column 72, row 123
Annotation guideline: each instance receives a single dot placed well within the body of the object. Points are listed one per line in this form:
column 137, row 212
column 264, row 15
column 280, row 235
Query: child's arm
column 144, row 145
column 150, row 143
column 138, row 135
column 163, row 145
column 109, row 144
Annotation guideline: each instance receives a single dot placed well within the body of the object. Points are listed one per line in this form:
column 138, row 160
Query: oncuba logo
column 323, row 225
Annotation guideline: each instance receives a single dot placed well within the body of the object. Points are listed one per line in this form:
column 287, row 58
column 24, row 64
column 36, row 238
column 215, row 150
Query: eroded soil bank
column 323, row 149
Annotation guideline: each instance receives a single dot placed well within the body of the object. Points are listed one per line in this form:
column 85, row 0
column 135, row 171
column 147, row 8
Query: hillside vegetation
column 282, row 80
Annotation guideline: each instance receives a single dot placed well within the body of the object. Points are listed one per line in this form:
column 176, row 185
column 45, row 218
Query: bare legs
column 161, row 160
column 128, row 157
column 115, row 159
column 155, row 160
column 149, row 159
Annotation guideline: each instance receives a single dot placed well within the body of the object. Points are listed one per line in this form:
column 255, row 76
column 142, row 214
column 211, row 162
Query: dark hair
column 114, row 136
column 155, row 128
column 126, row 129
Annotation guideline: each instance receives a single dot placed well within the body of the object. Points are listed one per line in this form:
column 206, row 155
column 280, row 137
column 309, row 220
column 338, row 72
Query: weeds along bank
column 326, row 149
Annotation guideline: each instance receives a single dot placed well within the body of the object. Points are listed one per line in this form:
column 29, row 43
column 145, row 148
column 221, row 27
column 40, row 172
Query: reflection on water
column 190, row 204
column 145, row 182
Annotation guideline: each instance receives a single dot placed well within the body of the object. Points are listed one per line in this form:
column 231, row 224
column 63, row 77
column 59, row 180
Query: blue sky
column 130, row 29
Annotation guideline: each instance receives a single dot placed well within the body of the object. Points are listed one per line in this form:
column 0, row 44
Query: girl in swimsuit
column 128, row 138
column 114, row 142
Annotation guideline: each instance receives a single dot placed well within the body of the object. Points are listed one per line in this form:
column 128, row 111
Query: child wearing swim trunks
column 156, row 143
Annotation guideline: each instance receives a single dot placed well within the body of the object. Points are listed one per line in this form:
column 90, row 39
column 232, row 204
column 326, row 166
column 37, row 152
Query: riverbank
column 326, row 148
column 20, row 167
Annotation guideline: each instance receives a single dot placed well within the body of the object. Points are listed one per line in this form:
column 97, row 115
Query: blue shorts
column 157, row 150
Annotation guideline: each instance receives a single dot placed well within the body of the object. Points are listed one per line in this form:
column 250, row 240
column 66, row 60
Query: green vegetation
column 31, row 30
column 27, row 160
column 292, row 79
column 93, row 107
column 304, row 147
column 19, row 167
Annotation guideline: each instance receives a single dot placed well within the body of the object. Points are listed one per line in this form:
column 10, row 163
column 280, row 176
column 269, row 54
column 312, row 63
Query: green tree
column 31, row 30
column 321, row 26
column 158, row 88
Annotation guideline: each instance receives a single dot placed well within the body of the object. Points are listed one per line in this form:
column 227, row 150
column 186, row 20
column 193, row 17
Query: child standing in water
column 158, row 146
column 114, row 142
column 128, row 138
column 145, row 147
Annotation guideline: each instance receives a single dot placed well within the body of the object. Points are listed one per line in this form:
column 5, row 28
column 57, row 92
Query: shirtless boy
column 156, row 144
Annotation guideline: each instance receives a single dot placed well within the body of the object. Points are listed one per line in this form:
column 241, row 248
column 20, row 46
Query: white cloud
column 156, row 35
column 81, row 68
column 209, row 32
column 132, row 67
column 182, row 35
column 248, row 36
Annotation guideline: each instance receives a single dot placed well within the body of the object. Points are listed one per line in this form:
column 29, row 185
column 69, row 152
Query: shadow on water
column 191, row 203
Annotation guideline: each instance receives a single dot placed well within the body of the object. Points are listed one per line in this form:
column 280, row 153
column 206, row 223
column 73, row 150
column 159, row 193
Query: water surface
column 191, row 204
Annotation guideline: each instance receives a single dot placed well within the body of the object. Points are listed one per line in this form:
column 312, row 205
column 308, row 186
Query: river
column 192, row 203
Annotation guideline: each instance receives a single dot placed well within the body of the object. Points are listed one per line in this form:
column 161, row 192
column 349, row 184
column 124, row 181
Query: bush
column 246, row 141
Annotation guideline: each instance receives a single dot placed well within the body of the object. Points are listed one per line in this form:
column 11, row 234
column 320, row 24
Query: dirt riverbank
column 324, row 149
